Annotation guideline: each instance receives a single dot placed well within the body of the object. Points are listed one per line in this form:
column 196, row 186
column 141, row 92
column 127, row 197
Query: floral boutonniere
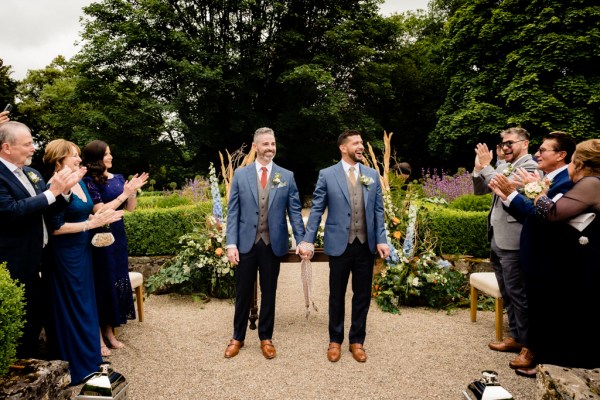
column 583, row 240
column 277, row 182
column 366, row 181
column 33, row 177
column 509, row 170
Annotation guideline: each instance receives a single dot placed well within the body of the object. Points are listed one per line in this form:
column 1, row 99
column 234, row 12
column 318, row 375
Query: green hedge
column 156, row 232
column 459, row 232
column 12, row 312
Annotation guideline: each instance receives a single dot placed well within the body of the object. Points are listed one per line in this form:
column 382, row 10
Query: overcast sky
column 34, row 32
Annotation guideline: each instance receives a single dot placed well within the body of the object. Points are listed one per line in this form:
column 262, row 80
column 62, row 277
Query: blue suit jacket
column 331, row 192
column 21, row 228
column 539, row 238
column 242, row 210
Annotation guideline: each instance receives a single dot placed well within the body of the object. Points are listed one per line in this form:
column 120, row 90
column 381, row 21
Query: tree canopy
column 524, row 63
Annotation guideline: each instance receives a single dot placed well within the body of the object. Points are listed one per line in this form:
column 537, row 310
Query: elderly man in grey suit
column 257, row 236
column 354, row 232
column 504, row 232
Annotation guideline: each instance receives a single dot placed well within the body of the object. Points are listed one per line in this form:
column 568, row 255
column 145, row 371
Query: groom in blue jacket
column 354, row 232
column 257, row 236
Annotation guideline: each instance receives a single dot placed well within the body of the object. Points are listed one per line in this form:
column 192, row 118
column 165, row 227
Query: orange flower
column 219, row 251
column 395, row 220
column 397, row 235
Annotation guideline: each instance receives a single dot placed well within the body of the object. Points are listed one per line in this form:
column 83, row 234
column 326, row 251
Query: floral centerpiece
column 413, row 275
column 201, row 265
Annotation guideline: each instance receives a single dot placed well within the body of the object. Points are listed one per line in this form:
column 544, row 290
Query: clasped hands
column 503, row 186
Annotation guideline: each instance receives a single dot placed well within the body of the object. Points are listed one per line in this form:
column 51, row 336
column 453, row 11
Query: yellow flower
column 219, row 251
column 397, row 235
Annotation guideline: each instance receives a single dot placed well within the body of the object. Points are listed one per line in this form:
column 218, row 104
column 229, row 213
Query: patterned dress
column 111, row 265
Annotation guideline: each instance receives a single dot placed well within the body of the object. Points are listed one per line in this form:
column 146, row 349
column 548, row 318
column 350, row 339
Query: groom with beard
column 354, row 232
column 261, row 195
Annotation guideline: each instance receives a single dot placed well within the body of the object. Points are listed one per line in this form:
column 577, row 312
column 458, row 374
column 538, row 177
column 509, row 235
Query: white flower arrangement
column 33, row 177
column 366, row 181
column 277, row 182
column 509, row 170
column 583, row 240
column 533, row 189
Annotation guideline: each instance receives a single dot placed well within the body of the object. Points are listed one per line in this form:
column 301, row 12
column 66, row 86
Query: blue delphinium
column 216, row 194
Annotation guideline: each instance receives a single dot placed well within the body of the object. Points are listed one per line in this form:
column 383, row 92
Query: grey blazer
column 507, row 230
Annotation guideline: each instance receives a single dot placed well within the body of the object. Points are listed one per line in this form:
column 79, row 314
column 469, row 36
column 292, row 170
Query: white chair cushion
column 485, row 282
column 136, row 278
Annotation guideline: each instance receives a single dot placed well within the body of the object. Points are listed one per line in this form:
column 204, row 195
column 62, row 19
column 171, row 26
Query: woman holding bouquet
column 111, row 266
column 73, row 332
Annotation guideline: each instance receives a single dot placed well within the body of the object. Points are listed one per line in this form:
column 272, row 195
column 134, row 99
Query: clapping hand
column 503, row 186
column 103, row 217
column 65, row 179
column 483, row 156
column 136, row 182
column 523, row 177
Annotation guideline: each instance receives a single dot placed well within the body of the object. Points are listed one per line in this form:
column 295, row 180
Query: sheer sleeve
column 584, row 196
column 93, row 189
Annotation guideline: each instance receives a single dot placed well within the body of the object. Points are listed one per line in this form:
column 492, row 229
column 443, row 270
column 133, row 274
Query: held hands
column 305, row 250
column 384, row 250
column 233, row 255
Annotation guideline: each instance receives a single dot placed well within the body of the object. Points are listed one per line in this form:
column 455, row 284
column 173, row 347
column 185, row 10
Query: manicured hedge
column 12, row 311
column 156, row 232
column 459, row 232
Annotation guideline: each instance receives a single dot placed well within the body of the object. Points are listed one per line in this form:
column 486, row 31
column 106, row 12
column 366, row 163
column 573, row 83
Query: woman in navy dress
column 111, row 265
column 74, row 335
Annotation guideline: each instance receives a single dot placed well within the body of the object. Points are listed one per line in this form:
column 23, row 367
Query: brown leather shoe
column 233, row 348
column 358, row 352
column 268, row 349
column 523, row 361
column 334, row 353
column 527, row 372
column 508, row 344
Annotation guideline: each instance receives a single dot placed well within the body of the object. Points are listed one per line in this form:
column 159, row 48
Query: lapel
column 340, row 177
column 10, row 176
column 250, row 172
column 28, row 170
column 273, row 187
column 364, row 188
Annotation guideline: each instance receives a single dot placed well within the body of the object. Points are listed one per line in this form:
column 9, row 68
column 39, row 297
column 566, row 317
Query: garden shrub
column 12, row 311
column 156, row 232
column 162, row 201
column 458, row 232
column 472, row 202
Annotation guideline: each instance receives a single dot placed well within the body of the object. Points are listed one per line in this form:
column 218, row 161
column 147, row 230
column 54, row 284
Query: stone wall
column 37, row 379
column 147, row 265
column 560, row 383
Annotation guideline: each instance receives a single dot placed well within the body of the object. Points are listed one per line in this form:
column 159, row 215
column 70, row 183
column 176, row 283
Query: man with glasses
column 539, row 265
column 504, row 232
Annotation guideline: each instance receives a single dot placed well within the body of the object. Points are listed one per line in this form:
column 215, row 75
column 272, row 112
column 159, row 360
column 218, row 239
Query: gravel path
column 177, row 352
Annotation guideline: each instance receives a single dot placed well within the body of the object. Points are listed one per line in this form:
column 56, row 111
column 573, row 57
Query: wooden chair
column 487, row 283
column 137, row 285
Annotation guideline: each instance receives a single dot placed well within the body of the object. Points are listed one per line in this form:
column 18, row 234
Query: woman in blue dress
column 111, row 264
column 74, row 335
